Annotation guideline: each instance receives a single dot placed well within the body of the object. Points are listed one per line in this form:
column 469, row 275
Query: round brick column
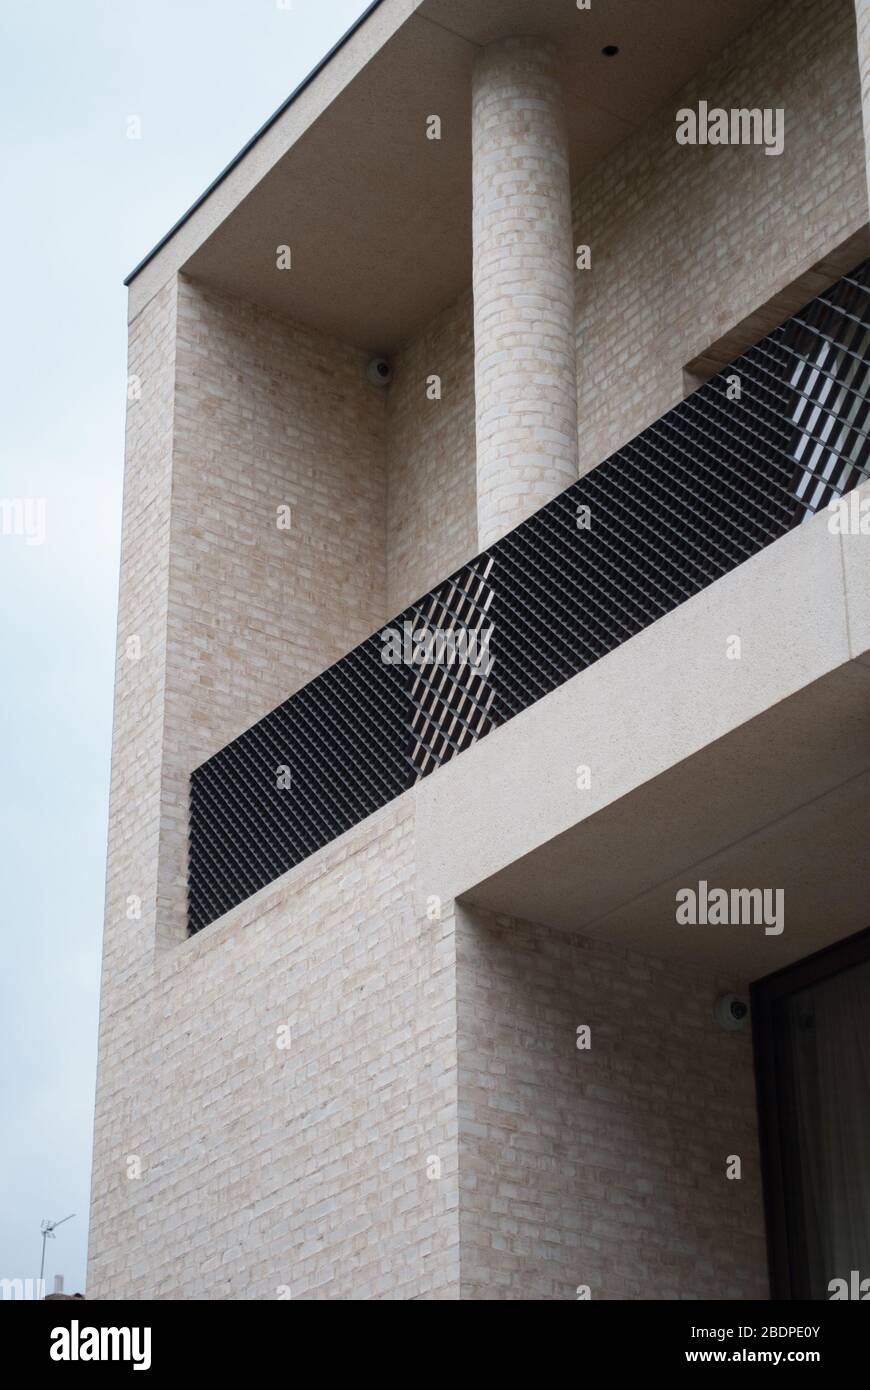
column 524, row 348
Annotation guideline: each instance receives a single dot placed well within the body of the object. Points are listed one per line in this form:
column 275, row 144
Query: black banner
column 76, row 1336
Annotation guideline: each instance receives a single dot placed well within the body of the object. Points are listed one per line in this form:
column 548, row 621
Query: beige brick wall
column 134, row 807
column 260, row 1168
column 308, row 1169
column 687, row 241
column 304, row 1168
column 432, row 497
column 605, row 1167
column 267, row 413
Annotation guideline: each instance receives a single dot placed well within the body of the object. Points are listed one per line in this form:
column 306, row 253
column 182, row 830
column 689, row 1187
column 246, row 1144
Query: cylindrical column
column 524, row 346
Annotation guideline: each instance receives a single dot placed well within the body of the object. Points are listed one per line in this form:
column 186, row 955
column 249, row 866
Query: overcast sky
column 86, row 203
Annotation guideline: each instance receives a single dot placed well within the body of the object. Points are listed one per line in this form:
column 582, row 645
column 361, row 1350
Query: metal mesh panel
column 722, row 475
column 449, row 689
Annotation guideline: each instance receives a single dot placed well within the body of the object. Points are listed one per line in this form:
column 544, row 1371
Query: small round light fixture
column 610, row 50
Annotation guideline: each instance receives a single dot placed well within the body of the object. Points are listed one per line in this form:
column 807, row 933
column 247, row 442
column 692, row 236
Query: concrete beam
column 688, row 750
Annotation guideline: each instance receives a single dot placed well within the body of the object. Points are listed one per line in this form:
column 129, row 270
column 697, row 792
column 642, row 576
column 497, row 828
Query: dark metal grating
column 706, row 487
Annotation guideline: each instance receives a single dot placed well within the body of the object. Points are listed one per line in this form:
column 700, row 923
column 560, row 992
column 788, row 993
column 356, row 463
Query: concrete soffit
column 377, row 216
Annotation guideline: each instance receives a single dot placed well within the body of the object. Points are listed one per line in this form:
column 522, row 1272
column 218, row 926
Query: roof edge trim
column 267, row 125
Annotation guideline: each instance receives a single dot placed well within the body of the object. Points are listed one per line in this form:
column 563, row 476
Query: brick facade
column 688, row 241
column 267, row 414
column 298, row 1170
column 134, row 804
column 603, row 1167
column 432, row 497
column 308, row 1167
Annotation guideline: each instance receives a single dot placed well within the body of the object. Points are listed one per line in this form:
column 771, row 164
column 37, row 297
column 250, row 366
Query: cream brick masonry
column 134, row 806
column 307, row 1168
column 687, row 241
column 599, row 1167
column 525, row 382
column 267, row 414
column 431, row 491
column 288, row 1164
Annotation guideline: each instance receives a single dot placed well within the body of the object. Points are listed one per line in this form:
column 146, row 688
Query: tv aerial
column 48, row 1229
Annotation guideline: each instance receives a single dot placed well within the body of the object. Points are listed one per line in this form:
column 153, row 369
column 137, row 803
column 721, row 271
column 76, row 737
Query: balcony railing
column 753, row 453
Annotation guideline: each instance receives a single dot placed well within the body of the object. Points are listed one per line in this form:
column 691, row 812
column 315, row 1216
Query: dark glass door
column 812, row 1038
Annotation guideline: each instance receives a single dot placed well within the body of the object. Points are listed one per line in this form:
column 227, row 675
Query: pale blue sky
column 84, row 204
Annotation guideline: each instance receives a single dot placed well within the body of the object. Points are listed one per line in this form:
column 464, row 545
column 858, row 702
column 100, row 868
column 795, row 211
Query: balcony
column 750, row 456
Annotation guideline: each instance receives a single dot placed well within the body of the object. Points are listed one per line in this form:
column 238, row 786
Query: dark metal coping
column 276, row 115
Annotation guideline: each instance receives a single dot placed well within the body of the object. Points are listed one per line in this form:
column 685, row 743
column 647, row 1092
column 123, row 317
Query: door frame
column 765, row 994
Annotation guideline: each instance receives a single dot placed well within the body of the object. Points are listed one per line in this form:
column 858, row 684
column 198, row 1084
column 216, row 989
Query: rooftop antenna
column 48, row 1229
